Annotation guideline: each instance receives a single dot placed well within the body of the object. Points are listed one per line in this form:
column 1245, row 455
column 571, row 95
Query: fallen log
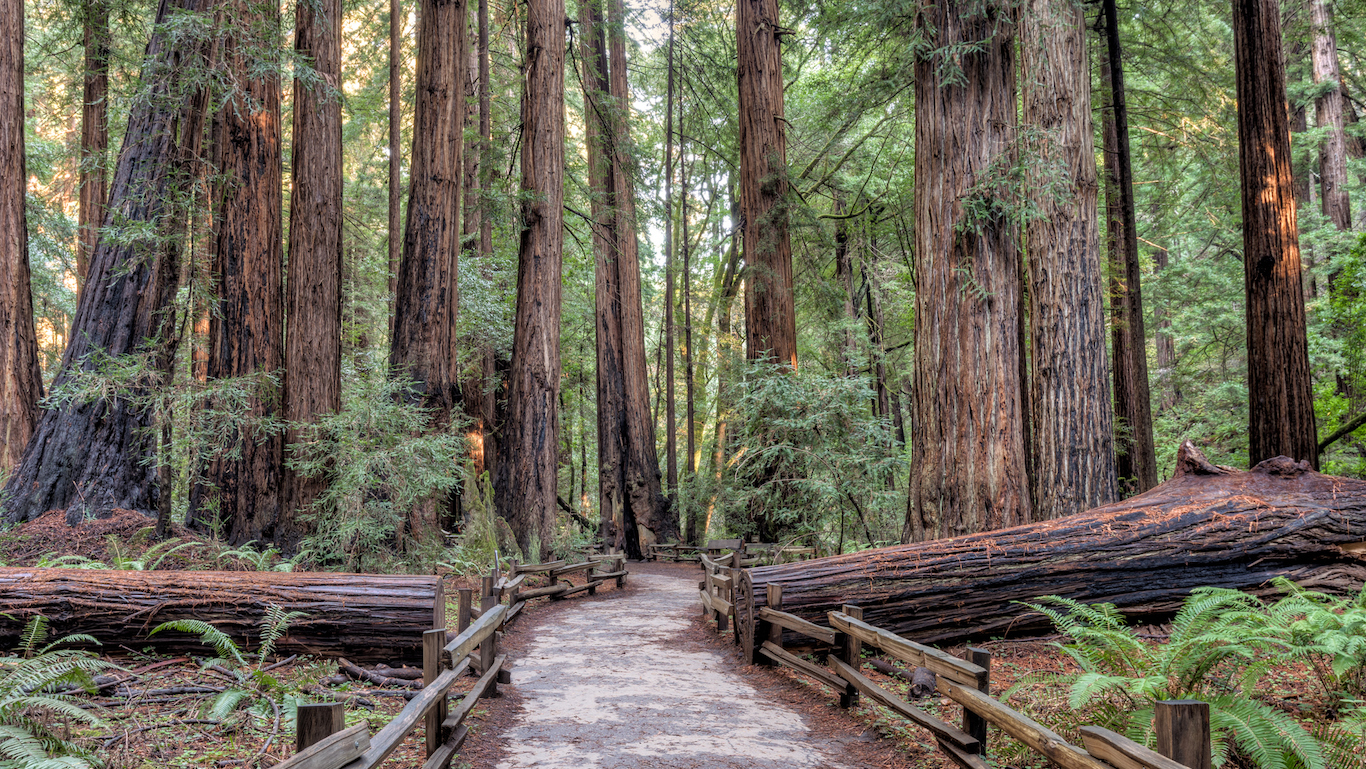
column 366, row 617
column 1208, row 525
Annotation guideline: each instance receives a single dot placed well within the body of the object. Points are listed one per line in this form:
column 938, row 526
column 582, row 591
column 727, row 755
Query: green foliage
column 381, row 460
column 32, row 700
column 1222, row 644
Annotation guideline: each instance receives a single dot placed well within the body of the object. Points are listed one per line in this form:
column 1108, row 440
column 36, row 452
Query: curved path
column 613, row 683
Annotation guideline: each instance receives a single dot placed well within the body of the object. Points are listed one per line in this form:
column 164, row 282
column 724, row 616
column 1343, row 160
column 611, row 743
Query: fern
column 224, row 646
column 277, row 624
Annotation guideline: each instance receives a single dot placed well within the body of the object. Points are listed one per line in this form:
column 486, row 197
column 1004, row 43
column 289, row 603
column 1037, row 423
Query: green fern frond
column 225, row 703
column 277, row 624
column 34, row 635
column 223, row 645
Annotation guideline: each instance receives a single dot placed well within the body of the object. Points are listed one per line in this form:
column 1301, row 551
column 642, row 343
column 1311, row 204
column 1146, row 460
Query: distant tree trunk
column 21, row 381
column 1072, row 418
column 968, row 443
column 422, row 347
column 90, row 454
column 94, row 134
column 1280, row 395
column 1135, row 455
column 1328, row 112
column 844, row 273
column 770, row 314
column 1164, row 342
column 533, row 422
column 246, row 333
column 670, row 421
column 313, row 342
column 395, row 150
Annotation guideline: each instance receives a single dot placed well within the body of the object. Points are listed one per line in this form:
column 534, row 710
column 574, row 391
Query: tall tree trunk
column 844, row 273
column 313, row 341
column 1072, row 417
column 21, row 381
column 1280, row 395
column 770, row 313
column 1136, row 454
column 91, row 453
column 94, row 134
column 968, row 443
column 689, row 459
column 246, row 333
column 422, row 347
column 670, row 421
column 533, row 423
column 1164, row 343
column 395, row 150
column 1328, row 113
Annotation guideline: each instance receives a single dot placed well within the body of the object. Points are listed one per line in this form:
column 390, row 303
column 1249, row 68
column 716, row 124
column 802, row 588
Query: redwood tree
column 968, row 436
column 90, row 452
column 21, row 383
column 532, row 431
column 313, row 341
column 1280, row 395
column 1071, row 414
column 1329, row 114
column 422, row 347
column 94, row 133
column 246, row 332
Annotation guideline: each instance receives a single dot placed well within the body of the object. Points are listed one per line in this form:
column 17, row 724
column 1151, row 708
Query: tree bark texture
column 21, row 381
column 1206, row 526
column 246, row 332
column 366, row 617
column 1135, row 451
column 94, row 134
column 1280, row 395
column 534, row 382
column 968, row 439
column 770, row 314
column 313, row 341
column 90, row 454
column 1071, row 421
column 1328, row 112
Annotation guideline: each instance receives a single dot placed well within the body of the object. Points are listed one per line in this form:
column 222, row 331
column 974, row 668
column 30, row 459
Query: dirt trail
column 615, row 683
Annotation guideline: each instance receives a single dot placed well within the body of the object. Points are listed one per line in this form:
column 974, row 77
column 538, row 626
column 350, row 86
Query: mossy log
column 1208, row 525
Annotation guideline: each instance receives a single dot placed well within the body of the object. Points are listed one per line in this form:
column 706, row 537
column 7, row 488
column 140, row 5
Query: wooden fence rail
column 324, row 744
column 1182, row 726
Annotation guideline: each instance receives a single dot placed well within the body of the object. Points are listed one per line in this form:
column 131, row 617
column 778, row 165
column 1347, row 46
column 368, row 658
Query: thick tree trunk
column 362, row 616
column 770, row 313
column 313, row 342
column 21, row 381
column 91, row 453
column 246, row 333
column 1328, row 113
column 1071, row 421
column 1280, row 394
column 1135, row 451
column 968, row 436
column 422, row 347
column 94, row 134
column 533, row 422
column 1206, row 526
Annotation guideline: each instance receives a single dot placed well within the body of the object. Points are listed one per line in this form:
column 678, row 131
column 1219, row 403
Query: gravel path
column 610, row 684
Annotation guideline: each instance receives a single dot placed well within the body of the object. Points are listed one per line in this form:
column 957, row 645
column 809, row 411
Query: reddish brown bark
column 246, row 332
column 770, row 313
column 94, row 134
column 313, row 342
column 534, row 382
column 968, row 437
column 1071, row 420
column 21, row 382
column 1280, row 395
column 91, row 454
column 1328, row 113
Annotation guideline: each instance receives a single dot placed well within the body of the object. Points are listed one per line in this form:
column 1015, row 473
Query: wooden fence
column 1183, row 735
column 323, row 743
column 751, row 553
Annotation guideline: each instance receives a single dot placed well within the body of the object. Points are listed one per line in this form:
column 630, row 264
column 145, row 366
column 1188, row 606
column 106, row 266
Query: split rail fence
column 1182, row 726
column 323, row 742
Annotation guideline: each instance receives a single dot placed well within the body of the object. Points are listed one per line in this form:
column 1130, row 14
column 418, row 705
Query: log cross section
column 942, row 664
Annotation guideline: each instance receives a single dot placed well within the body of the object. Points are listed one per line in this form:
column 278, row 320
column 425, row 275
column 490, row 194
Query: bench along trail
column 616, row 683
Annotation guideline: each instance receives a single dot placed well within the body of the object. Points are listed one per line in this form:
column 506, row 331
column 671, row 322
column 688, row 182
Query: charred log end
column 1283, row 467
column 1192, row 461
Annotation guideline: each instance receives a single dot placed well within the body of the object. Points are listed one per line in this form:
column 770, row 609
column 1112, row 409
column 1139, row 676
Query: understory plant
column 36, row 685
column 1215, row 653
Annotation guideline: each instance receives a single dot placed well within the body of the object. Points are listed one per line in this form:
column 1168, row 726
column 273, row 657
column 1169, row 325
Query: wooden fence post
column 765, row 630
column 462, row 611
column 588, row 578
column 433, row 654
column 974, row 724
column 851, row 651
column 488, row 650
column 318, row 721
column 1183, row 732
column 439, row 605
